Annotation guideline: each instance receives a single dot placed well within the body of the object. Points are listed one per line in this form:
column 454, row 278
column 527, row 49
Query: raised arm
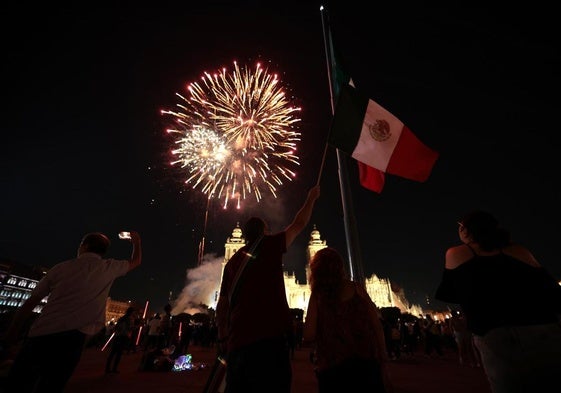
column 302, row 217
column 136, row 254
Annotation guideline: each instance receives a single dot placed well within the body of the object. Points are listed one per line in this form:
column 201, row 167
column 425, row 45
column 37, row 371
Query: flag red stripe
column 411, row 159
column 371, row 178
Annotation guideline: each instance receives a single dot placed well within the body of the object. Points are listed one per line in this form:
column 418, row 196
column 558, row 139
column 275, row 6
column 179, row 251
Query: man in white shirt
column 153, row 338
column 77, row 289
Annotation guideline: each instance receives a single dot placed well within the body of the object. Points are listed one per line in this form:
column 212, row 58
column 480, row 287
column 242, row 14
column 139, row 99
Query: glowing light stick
column 103, row 348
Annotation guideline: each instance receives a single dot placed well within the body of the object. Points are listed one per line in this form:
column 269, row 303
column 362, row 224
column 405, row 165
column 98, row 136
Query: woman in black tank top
column 511, row 303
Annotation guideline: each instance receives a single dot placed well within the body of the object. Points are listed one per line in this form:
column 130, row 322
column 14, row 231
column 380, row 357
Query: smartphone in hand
column 124, row 235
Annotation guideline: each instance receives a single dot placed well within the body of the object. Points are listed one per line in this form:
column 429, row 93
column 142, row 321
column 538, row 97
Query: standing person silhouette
column 344, row 326
column 252, row 330
column 153, row 336
column 121, row 341
column 166, row 328
column 77, row 291
column 433, row 336
column 511, row 303
column 467, row 354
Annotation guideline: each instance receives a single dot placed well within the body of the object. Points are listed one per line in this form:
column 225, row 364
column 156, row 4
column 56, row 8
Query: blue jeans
column 522, row 359
column 263, row 366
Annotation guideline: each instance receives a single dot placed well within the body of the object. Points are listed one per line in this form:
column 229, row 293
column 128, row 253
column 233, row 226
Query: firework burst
column 236, row 134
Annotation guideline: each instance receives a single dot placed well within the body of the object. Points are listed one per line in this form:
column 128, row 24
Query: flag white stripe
column 370, row 151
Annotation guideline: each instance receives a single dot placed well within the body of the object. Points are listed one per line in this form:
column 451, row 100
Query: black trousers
column 263, row 366
column 353, row 375
column 44, row 364
column 120, row 344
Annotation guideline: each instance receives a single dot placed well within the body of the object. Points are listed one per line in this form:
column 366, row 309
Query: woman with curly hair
column 344, row 326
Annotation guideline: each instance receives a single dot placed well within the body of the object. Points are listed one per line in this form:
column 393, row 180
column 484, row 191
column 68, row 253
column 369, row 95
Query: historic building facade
column 18, row 280
column 16, row 283
column 298, row 294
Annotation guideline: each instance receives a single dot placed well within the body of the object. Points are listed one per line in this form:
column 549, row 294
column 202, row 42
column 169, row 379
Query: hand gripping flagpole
column 356, row 271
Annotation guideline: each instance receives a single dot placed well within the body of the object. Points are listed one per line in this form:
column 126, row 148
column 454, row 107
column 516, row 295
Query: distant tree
column 201, row 318
column 297, row 313
column 182, row 317
column 406, row 317
column 390, row 314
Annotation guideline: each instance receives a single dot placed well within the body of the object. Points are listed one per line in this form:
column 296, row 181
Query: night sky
column 85, row 149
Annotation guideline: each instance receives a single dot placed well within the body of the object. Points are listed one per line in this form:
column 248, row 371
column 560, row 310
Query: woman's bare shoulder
column 457, row 255
column 521, row 253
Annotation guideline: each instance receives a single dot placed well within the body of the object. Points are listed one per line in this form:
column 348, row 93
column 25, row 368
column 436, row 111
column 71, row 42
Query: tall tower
column 314, row 245
column 233, row 243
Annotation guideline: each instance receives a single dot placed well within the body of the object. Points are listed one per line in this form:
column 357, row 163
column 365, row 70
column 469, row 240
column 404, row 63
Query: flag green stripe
column 346, row 125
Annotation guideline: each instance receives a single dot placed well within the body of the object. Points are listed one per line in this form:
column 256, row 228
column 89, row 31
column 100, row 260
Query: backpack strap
column 249, row 256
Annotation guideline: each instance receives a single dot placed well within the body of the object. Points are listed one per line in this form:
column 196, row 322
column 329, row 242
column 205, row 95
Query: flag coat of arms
column 375, row 137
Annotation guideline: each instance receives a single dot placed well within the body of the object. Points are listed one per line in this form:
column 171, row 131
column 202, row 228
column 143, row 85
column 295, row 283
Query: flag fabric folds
column 371, row 178
column 379, row 140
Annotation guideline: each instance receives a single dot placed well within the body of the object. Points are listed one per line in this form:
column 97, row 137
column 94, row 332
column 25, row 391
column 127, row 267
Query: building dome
column 315, row 236
column 237, row 235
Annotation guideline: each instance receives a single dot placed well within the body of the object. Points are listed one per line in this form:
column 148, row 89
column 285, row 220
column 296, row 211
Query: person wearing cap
column 77, row 291
column 511, row 303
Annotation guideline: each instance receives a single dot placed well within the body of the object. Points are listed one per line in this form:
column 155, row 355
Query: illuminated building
column 115, row 309
column 381, row 290
column 16, row 283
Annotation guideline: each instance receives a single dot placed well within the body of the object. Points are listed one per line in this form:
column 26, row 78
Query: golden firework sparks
column 236, row 134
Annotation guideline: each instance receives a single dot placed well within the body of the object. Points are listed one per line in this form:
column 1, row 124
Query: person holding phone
column 77, row 291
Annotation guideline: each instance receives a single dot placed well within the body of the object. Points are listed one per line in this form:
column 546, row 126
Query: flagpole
column 356, row 271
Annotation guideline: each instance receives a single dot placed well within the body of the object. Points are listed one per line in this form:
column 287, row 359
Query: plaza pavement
column 410, row 374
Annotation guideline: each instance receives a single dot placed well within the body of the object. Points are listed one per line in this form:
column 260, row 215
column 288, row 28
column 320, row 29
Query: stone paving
column 411, row 374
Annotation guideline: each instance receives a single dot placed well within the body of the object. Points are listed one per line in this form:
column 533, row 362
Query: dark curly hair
column 327, row 273
column 485, row 230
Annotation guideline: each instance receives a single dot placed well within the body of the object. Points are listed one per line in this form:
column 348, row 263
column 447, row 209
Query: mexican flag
column 379, row 140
